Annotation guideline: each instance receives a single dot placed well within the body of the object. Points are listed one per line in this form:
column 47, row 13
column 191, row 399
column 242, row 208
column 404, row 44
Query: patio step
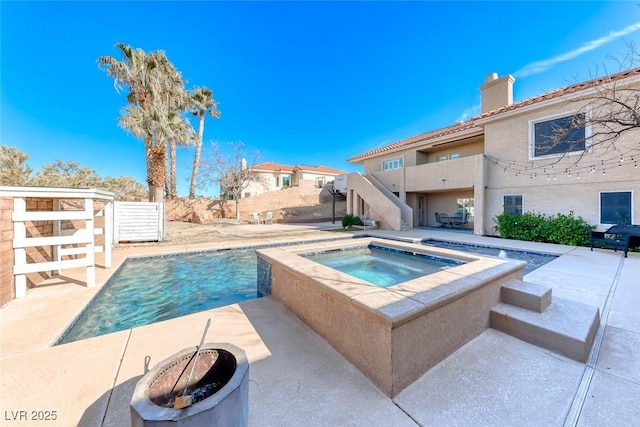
column 531, row 296
column 565, row 327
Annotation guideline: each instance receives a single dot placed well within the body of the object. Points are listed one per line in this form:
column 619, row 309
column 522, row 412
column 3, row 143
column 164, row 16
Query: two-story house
column 270, row 176
column 554, row 153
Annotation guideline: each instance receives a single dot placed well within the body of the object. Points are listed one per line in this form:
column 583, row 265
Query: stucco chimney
column 243, row 164
column 497, row 92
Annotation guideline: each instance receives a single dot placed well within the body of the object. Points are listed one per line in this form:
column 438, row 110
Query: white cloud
column 468, row 113
column 543, row 65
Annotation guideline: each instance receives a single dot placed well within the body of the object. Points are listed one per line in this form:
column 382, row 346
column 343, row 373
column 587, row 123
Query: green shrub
column 349, row 219
column 535, row 227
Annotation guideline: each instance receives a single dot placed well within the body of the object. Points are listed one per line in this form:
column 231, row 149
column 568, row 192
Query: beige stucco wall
column 583, row 200
column 390, row 178
column 423, row 154
column 444, row 203
column 272, row 181
column 311, row 176
column 470, row 148
column 509, row 140
column 266, row 183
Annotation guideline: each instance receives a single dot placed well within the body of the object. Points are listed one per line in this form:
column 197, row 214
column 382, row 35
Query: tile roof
column 271, row 166
column 471, row 123
column 320, row 169
column 634, row 72
column 276, row 167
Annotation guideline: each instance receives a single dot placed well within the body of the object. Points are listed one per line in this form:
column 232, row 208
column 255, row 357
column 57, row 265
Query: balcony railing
column 446, row 175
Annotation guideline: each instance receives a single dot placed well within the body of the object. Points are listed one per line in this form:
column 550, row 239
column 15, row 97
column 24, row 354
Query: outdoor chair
column 460, row 218
column 443, row 219
column 616, row 237
column 269, row 218
column 256, row 218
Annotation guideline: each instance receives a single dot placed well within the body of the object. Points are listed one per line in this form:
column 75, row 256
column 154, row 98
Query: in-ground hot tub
column 392, row 334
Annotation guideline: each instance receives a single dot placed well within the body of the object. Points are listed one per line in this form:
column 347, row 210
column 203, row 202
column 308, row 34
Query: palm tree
column 156, row 90
column 180, row 133
column 202, row 103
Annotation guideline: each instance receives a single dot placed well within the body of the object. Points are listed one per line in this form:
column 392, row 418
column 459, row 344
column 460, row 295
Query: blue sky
column 302, row 82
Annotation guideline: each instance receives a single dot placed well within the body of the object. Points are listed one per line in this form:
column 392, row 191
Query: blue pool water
column 380, row 266
column 534, row 260
column 150, row 290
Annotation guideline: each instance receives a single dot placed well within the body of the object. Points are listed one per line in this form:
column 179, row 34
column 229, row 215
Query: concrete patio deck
column 297, row 379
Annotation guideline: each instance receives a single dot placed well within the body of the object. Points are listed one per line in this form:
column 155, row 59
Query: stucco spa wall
column 389, row 337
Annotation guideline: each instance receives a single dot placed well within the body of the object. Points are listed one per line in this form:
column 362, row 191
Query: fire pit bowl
column 219, row 387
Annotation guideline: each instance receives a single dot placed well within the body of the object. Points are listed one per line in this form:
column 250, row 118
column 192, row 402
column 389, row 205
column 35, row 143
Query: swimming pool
column 534, row 260
column 382, row 266
column 149, row 290
column 152, row 289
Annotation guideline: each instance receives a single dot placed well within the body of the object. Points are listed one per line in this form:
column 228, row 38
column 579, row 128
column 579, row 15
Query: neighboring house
column 496, row 163
column 271, row 176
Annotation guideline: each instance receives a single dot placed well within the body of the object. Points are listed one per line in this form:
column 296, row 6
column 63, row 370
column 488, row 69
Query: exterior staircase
column 384, row 206
column 529, row 312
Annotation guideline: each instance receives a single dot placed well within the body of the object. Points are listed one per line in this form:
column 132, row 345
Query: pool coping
column 69, row 289
column 381, row 329
column 421, row 294
column 316, row 385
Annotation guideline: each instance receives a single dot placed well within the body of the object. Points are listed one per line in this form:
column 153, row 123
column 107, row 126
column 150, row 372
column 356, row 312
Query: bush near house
column 535, row 227
column 348, row 220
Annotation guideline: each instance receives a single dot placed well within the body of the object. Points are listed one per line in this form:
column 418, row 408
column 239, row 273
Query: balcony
column 442, row 176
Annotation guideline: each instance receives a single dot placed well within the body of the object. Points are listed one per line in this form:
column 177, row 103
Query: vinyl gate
column 138, row 222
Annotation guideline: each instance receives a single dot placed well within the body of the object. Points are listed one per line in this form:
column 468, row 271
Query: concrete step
column 531, row 296
column 565, row 327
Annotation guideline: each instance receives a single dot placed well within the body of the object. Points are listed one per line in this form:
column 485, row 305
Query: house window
column 392, row 164
column 286, row 181
column 443, row 158
column 277, row 181
column 615, row 207
column 320, row 181
column 454, row 156
column 561, row 135
column 512, row 204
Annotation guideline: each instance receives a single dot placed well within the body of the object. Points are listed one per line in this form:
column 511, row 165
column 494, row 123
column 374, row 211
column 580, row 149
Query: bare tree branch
column 231, row 171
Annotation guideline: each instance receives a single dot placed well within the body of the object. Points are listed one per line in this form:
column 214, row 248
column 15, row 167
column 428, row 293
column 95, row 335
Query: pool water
column 381, row 266
column 534, row 260
column 150, row 290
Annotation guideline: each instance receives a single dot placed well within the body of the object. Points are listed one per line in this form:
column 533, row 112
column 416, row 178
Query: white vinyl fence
column 138, row 222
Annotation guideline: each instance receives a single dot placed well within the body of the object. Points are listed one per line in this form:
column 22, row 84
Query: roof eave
column 425, row 143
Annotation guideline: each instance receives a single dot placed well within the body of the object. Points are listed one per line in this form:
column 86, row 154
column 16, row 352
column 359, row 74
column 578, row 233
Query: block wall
column 282, row 203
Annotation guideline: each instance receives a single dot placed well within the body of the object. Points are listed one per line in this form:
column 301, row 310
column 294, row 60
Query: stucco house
column 272, row 176
column 502, row 160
